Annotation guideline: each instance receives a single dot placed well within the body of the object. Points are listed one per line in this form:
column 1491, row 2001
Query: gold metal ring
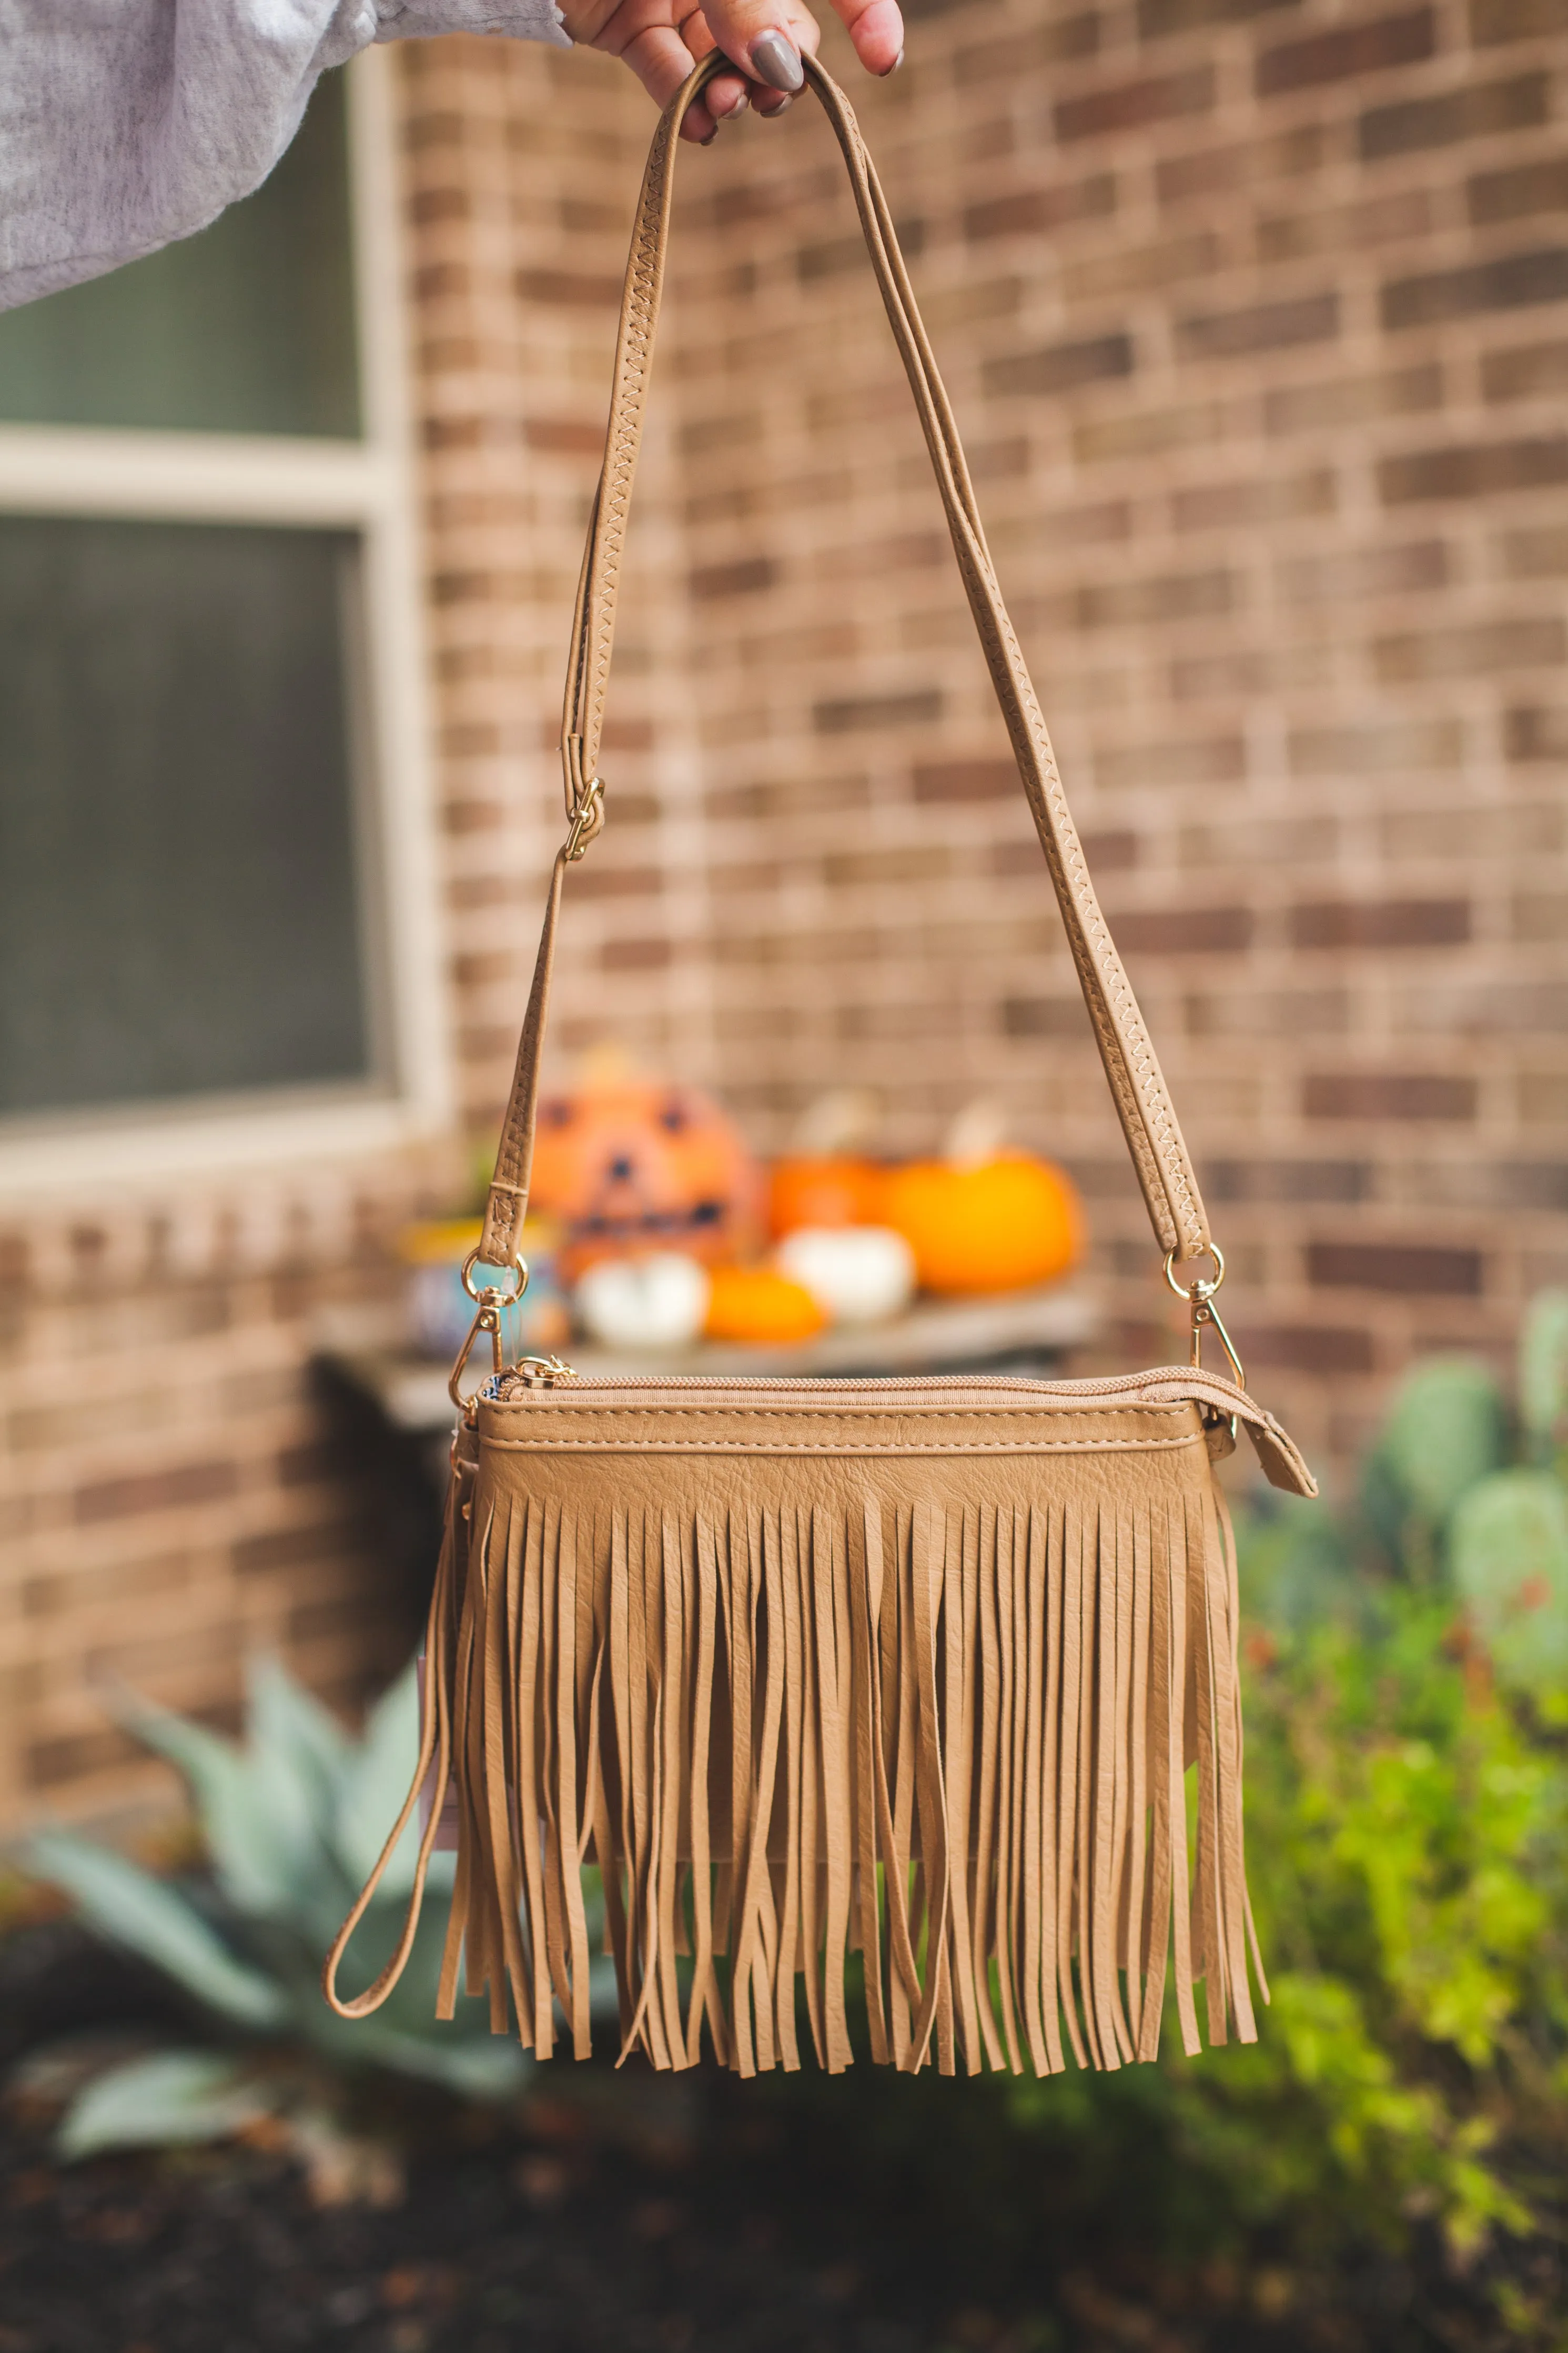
column 490, row 1294
column 1203, row 1288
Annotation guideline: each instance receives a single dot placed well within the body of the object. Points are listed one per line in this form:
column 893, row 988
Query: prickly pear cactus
column 1447, row 1428
column 1508, row 1553
column 1544, row 1374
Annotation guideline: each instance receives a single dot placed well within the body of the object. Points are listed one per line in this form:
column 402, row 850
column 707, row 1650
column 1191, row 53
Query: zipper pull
column 543, row 1372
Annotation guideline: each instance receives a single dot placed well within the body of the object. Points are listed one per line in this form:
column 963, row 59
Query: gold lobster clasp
column 489, row 1300
column 1199, row 1295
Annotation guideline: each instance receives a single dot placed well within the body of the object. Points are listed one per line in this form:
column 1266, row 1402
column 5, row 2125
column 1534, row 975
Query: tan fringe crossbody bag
column 908, row 1670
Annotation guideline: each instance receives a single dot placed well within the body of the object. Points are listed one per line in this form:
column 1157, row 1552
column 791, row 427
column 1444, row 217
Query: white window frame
column 366, row 486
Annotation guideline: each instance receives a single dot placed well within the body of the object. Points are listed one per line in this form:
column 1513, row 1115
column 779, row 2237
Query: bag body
column 894, row 1679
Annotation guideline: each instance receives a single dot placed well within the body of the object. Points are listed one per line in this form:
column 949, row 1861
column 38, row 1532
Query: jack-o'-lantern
column 626, row 1165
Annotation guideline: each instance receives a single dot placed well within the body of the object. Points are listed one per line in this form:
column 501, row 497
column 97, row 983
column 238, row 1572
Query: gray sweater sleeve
column 127, row 123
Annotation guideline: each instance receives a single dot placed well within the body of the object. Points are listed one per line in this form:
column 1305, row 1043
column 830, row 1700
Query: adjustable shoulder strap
column 1138, row 1088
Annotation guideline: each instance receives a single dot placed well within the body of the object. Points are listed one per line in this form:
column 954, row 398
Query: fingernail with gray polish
column 893, row 68
column 775, row 61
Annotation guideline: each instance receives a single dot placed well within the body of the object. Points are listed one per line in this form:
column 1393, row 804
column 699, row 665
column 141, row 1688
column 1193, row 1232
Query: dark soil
column 619, row 2213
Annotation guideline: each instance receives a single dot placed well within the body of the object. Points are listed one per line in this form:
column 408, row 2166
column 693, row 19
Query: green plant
column 292, row 1820
column 1407, row 1845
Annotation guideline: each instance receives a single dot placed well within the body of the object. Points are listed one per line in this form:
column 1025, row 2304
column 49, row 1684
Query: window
column 215, row 870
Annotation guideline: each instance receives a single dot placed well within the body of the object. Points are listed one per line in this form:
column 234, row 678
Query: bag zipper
column 552, row 1377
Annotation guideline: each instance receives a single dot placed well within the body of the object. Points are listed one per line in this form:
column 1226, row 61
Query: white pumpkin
column 657, row 1301
column 859, row 1274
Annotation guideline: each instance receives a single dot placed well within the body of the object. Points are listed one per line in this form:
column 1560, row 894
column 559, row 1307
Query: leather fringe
column 951, row 1742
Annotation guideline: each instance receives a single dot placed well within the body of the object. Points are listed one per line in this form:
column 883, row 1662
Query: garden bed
column 624, row 2212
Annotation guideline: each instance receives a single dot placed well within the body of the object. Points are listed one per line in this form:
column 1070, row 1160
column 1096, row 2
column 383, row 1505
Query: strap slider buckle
column 587, row 821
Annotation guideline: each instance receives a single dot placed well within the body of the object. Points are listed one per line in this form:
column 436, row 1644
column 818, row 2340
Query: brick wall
column 1255, row 320
column 175, row 1490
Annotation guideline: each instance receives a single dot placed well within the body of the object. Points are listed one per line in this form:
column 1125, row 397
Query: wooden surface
column 1030, row 1330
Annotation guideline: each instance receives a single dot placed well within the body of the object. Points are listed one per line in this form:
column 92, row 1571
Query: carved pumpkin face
column 626, row 1165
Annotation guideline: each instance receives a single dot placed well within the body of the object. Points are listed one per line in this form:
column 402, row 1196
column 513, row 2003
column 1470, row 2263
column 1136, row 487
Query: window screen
column 247, row 328
column 180, row 911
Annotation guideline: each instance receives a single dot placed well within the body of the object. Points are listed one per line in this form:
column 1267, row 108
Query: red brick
column 1475, row 110
column 595, row 878
column 1214, row 170
column 1054, row 42
column 1396, row 217
column 1112, row 853
column 1118, row 604
column 1305, row 1348
column 566, row 436
column 1287, row 1180
column 854, row 870
column 873, row 711
column 1493, row 22
column 1384, row 1096
column 1236, row 505
column 1536, row 554
column 1061, row 366
column 1365, row 572
column 1381, row 923
column 1397, row 1267
column 634, row 954
column 1184, row 931
column 1372, row 46
column 1510, row 283
column 1043, row 1016
column 1156, row 18
column 1376, row 751
column 48, row 1763
column 297, row 1547
column 1525, row 372
column 1353, row 400
column 839, row 254
column 1532, row 642
column 154, row 1490
column 576, row 288
column 620, row 735
column 743, row 578
column 967, row 780
column 1135, row 105
column 1028, row 211
column 1536, row 734
column 1265, row 326
column 1539, row 187
column 1208, row 759
column 1473, row 470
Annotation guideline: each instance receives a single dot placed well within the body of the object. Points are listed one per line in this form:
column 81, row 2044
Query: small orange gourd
column 1010, row 1222
column 829, row 1189
column 759, row 1305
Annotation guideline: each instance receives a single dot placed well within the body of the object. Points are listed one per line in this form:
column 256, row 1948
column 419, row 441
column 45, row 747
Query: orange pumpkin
column 823, row 1189
column 758, row 1303
column 1010, row 1222
column 625, row 1165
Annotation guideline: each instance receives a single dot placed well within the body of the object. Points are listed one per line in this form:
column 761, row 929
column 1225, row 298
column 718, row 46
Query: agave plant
column 1508, row 1538
column 292, row 1820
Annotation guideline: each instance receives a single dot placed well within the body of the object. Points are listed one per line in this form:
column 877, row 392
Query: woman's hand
column 661, row 40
